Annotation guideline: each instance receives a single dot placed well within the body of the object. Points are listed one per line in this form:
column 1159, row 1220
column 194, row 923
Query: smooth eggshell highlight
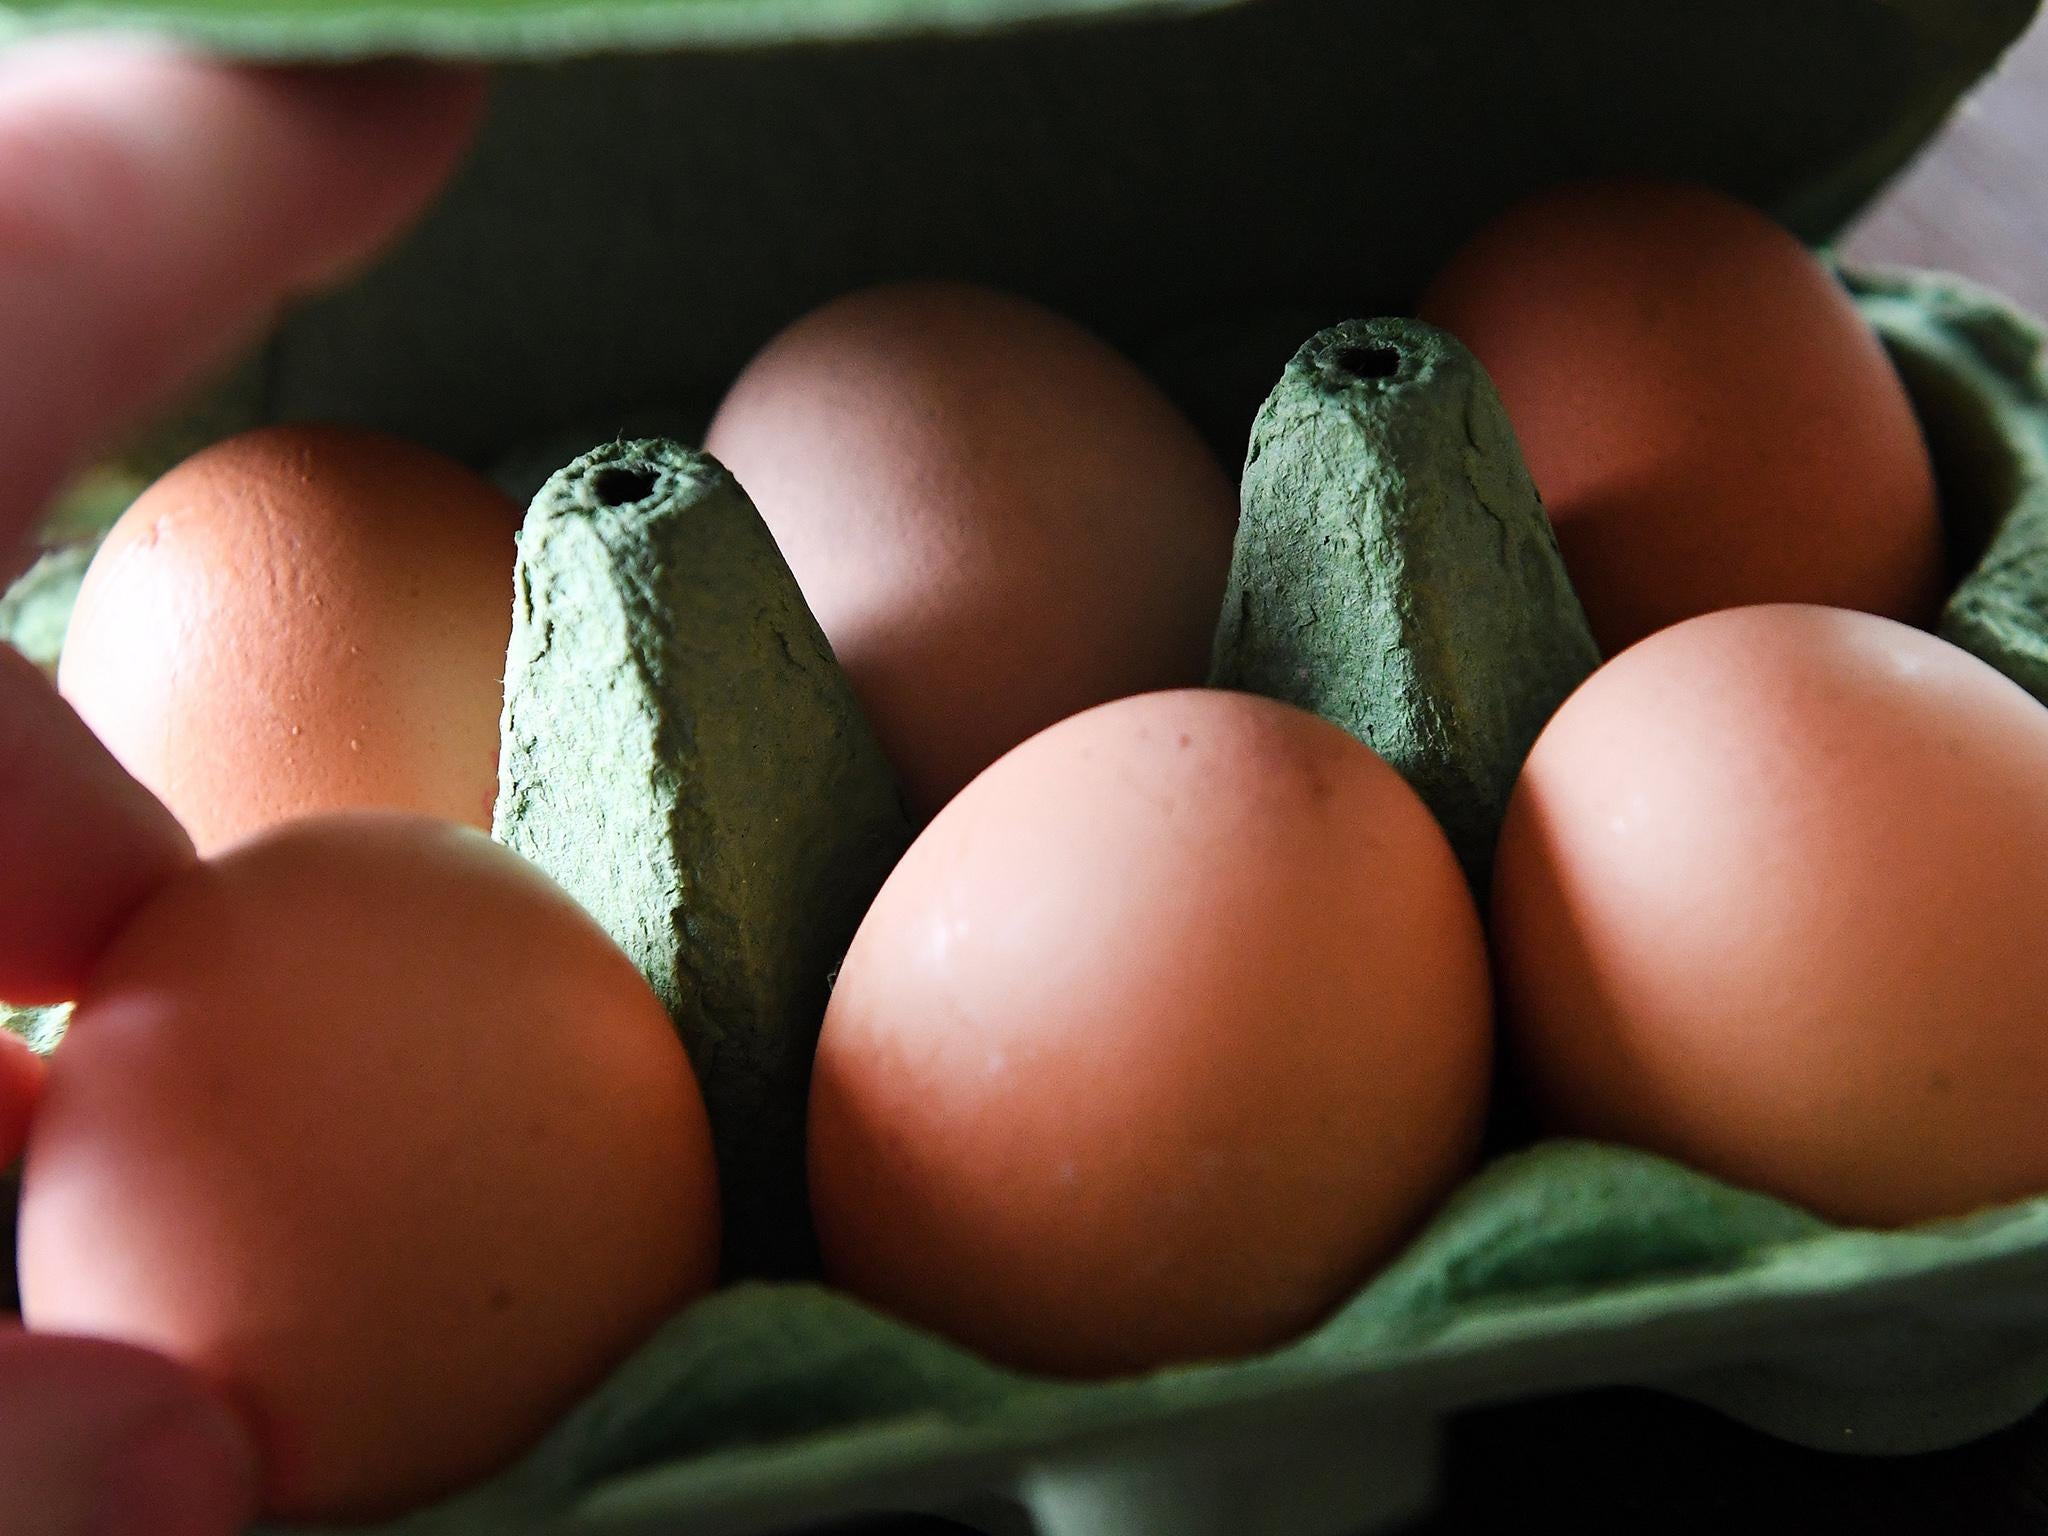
column 1767, row 902
column 1159, row 1040
column 298, row 620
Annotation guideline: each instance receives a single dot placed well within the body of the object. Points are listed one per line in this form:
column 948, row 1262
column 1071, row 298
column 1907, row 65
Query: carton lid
column 507, row 29
column 1205, row 182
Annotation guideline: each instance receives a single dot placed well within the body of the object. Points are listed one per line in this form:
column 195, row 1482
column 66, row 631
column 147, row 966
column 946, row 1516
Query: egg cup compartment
column 1972, row 365
column 1562, row 1266
column 634, row 224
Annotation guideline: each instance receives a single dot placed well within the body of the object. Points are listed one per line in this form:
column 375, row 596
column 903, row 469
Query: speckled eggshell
column 297, row 620
column 997, row 519
column 1160, row 1039
column 1710, row 420
column 372, row 1125
column 1767, row 902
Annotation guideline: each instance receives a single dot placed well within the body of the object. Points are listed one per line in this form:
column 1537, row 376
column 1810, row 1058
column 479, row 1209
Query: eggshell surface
column 371, row 1125
column 1766, row 902
column 1708, row 417
column 297, row 620
column 1163, row 1035
column 997, row 519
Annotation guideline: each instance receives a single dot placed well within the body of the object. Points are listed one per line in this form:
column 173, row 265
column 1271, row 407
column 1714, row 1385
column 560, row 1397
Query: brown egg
column 372, row 1125
column 1766, row 902
column 1708, row 417
column 1159, row 1040
column 298, row 620
column 997, row 520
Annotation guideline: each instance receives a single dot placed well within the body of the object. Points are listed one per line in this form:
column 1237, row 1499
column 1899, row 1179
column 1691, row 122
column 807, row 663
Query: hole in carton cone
column 1369, row 362
column 619, row 485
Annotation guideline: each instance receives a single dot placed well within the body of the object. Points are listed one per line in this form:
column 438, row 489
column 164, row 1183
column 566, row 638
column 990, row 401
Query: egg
column 1164, row 1034
column 1709, row 419
column 297, row 620
column 997, row 520
column 1765, row 902
column 371, row 1125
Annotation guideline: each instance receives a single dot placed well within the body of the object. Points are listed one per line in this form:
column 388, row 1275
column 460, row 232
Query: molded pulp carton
column 665, row 182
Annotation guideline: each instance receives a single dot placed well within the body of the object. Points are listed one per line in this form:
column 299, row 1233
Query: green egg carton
column 663, row 183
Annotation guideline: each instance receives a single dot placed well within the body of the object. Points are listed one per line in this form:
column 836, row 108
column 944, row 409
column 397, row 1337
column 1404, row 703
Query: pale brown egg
column 1767, row 902
column 997, row 520
column 298, row 620
column 1162, row 1037
column 372, row 1125
column 1708, row 417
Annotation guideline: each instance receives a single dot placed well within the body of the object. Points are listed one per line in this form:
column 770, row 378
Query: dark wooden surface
column 1977, row 202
